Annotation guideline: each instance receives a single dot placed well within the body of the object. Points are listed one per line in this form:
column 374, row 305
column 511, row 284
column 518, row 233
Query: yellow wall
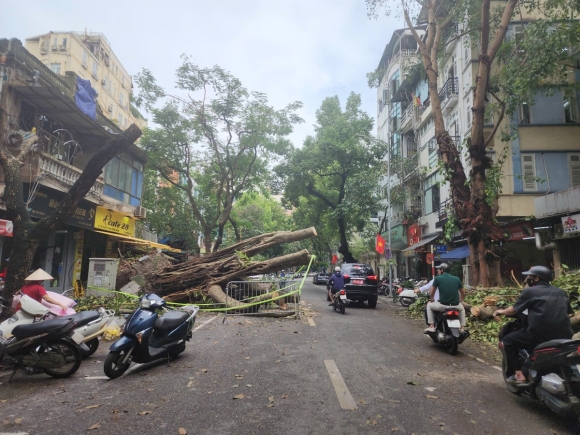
column 542, row 138
column 516, row 205
column 70, row 57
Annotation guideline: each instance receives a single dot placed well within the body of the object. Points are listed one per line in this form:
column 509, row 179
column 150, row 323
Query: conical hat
column 38, row 275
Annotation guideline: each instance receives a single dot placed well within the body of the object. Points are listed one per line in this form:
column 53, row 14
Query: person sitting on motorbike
column 548, row 308
column 427, row 289
column 335, row 284
column 451, row 294
column 34, row 288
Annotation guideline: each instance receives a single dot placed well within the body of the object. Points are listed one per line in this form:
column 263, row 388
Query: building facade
column 542, row 158
column 90, row 56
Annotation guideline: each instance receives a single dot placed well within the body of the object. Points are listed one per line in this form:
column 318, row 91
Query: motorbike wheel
column 93, row 345
column 453, row 347
column 405, row 302
column 341, row 308
column 334, row 306
column 113, row 365
column 174, row 353
column 72, row 355
column 509, row 386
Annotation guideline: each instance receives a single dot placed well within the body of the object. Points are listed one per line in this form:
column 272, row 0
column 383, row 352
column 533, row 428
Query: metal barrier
column 247, row 298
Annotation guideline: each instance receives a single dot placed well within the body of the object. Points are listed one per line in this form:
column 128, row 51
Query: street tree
column 28, row 234
column 474, row 194
column 214, row 141
column 338, row 168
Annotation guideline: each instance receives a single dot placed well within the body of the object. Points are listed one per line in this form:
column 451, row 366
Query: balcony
column 443, row 213
column 408, row 116
column 451, row 38
column 449, row 94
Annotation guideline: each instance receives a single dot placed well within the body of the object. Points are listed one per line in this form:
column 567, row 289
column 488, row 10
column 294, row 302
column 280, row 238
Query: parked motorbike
column 89, row 324
column 384, row 288
column 147, row 336
column 47, row 345
column 447, row 330
column 553, row 373
column 340, row 301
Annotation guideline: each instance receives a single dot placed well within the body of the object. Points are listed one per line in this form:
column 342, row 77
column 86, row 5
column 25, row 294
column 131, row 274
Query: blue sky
column 303, row 50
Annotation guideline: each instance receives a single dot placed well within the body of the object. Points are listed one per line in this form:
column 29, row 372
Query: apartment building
column 90, row 56
column 542, row 158
column 35, row 100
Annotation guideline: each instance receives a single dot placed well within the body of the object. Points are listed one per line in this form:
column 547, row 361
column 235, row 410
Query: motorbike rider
column 427, row 289
column 548, row 308
column 451, row 294
column 335, row 284
column 34, row 288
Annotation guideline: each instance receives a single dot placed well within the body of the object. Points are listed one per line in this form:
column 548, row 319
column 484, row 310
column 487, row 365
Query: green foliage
column 570, row 282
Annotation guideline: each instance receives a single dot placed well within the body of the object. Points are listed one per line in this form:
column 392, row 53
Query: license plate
column 453, row 323
column 358, row 281
column 343, row 297
column 78, row 338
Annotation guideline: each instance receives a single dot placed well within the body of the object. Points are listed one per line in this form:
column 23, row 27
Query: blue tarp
column 456, row 254
column 85, row 98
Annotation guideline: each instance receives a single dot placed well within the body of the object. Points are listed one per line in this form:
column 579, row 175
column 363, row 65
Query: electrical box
column 103, row 274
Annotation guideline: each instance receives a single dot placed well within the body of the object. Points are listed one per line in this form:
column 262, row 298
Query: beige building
column 90, row 56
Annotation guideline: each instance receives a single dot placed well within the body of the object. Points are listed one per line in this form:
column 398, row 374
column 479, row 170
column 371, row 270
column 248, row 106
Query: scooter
column 147, row 336
column 47, row 345
column 447, row 330
column 553, row 373
column 89, row 324
column 340, row 301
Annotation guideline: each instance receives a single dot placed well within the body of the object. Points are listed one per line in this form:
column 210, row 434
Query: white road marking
column 13, row 433
column 204, row 323
column 496, row 367
column 344, row 398
column 311, row 321
column 90, row 378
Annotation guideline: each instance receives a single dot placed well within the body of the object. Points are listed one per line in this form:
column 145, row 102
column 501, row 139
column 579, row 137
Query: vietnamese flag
column 334, row 259
column 380, row 246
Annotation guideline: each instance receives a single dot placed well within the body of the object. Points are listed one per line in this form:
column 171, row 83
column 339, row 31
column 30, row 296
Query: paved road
column 398, row 380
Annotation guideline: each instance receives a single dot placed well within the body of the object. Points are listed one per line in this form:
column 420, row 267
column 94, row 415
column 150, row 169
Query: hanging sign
column 114, row 222
column 570, row 224
column 413, row 234
column 6, row 228
column 429, row 258
column 440, row 249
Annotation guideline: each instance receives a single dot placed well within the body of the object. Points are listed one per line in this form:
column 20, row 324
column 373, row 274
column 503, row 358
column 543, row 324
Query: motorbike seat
column 48, row 326
column 170, row 320
column 84, row 317
column 554, row 343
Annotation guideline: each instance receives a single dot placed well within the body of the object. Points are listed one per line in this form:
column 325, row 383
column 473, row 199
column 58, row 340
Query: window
column 525, row 114
column 95, row 69
column 123, row 81
column 570, row 112
column 85, row 58
column 121, row 99
column 468, row 114
column 529, row 172
column 574, row 166
column 63, row 45
column 55, row 67
column 120, row 119
column 466, row 52
column 432, row 194
column 432, row 145
column 124, row 180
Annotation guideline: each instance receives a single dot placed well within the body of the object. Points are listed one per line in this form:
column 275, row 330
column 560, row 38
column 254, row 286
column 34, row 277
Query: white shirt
column 427, row 287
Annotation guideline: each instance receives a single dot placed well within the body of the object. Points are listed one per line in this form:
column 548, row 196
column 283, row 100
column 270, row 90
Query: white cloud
column 289, row 49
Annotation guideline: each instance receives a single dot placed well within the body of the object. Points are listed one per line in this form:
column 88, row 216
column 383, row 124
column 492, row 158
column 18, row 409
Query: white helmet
column 337, row 269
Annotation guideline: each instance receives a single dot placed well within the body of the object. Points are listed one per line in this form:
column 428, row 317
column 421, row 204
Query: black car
column 361, row 283
column 321, row 278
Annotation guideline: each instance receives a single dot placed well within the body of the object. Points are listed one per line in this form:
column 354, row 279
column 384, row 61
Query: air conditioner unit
column 140, row 212
column 559, row 232
column 110, row 108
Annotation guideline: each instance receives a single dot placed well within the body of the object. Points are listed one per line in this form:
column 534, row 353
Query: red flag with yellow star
column 380, row 246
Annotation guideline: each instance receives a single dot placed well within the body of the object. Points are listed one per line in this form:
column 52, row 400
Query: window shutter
column 529, row 172
column 574, row 162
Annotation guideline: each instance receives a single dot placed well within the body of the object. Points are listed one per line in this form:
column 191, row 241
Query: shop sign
column 46, row 201
column 413, row 234
column 440, row 249
column 570, row 224
column 518, row 232
column 6, row 228
column 114, row 222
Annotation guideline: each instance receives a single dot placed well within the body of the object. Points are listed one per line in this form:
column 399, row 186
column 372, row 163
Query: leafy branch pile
column 486, row 331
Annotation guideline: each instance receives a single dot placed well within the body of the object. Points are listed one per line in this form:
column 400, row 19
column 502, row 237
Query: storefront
column 418, row 254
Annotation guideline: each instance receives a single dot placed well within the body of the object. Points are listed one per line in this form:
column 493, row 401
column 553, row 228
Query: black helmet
column 541, row 272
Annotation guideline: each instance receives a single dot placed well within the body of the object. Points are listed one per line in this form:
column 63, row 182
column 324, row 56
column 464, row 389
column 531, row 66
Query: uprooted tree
column 209, row 275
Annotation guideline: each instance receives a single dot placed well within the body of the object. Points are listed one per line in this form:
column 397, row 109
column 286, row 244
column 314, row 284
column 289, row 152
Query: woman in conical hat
column 34, row 288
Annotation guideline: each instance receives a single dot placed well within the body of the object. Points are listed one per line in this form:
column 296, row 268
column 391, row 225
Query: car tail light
column 346, row 276
column 372, row 277
column 342, row 292
column 399, row 290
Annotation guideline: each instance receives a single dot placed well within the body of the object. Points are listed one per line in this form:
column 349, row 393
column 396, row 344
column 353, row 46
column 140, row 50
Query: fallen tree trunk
column 483, row 312
column 575, row 321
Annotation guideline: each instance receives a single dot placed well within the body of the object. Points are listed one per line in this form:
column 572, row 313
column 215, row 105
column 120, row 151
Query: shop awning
column 422, row 243
column 456, row 254
column 136, row 241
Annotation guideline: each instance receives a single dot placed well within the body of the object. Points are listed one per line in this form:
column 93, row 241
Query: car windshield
column 359, row 269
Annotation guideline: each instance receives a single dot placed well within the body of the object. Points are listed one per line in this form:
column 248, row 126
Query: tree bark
column 27, row 234
column 483, row 312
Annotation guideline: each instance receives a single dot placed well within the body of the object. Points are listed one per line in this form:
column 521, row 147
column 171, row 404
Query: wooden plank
column 311, row 321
